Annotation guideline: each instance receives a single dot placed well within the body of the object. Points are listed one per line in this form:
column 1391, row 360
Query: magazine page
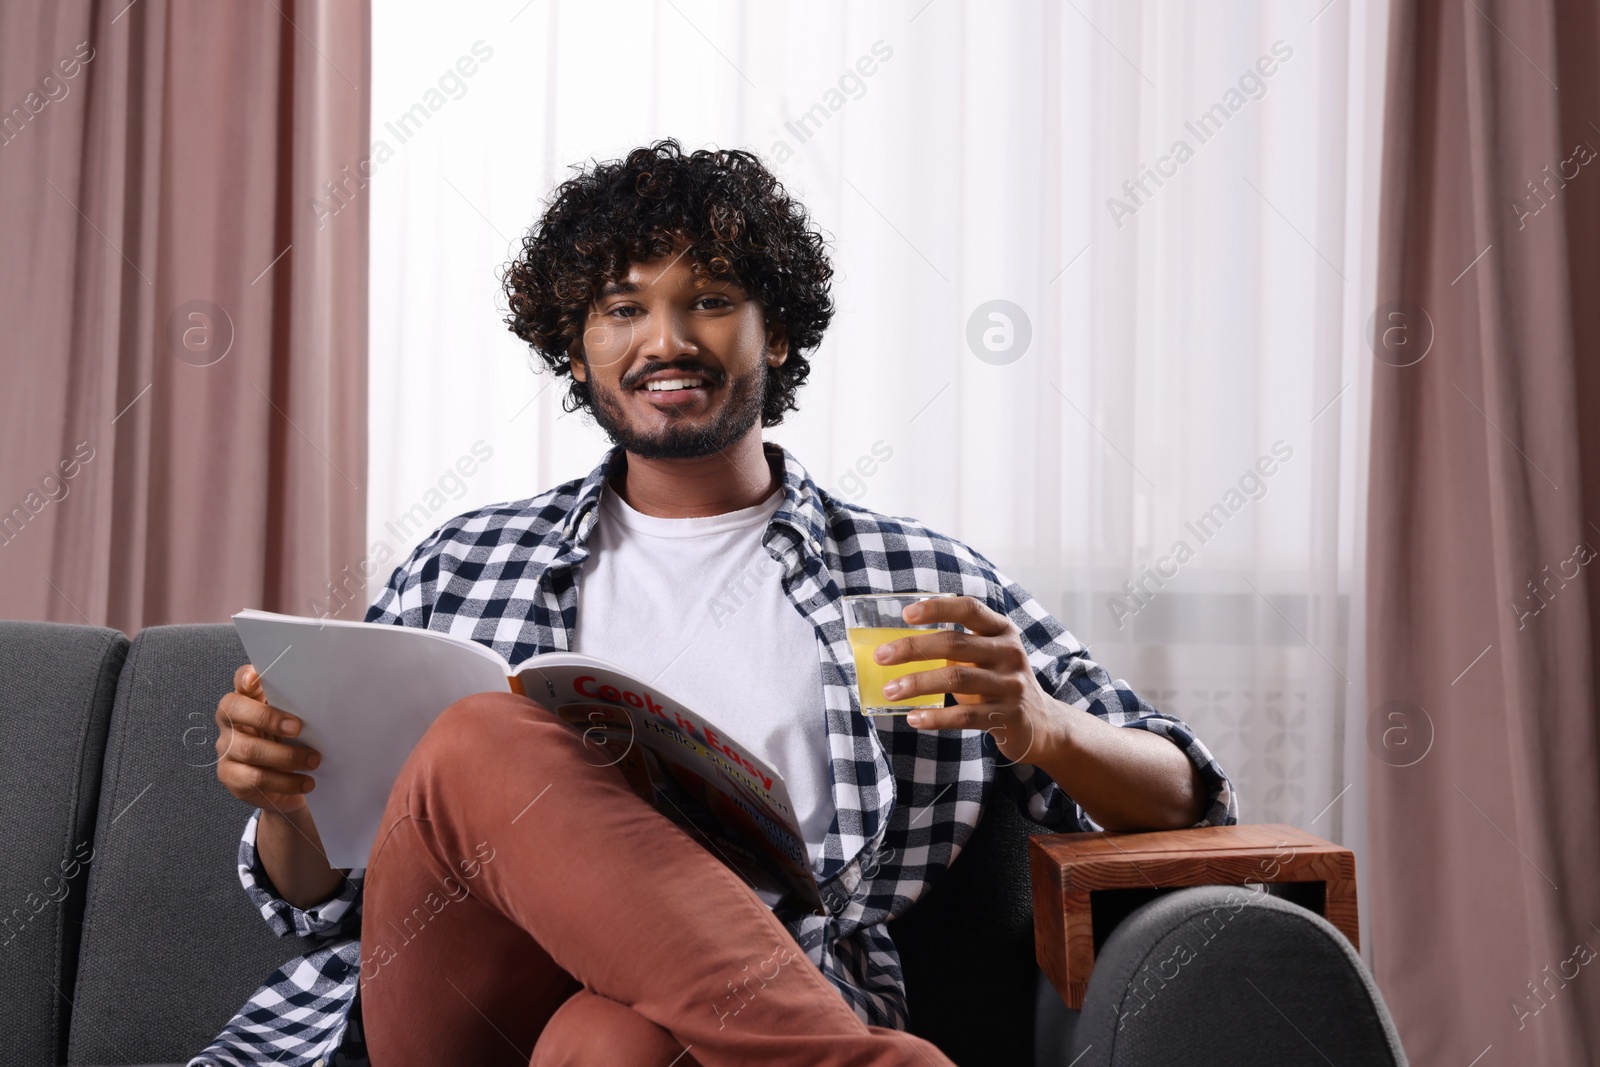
column 366, row 692
column 722, row 795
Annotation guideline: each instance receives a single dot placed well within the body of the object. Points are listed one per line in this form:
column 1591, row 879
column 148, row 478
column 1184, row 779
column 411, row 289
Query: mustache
column 687, row 366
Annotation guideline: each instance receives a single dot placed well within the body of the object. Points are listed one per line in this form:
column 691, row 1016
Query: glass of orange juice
column 872, row 619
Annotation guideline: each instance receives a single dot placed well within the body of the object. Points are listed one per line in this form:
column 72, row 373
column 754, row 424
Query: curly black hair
column 740, row 224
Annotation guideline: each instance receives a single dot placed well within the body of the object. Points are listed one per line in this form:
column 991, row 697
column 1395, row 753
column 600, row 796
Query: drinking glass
column 871, row 619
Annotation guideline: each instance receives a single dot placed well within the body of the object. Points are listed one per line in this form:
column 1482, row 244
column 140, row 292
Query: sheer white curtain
column 1177, row 202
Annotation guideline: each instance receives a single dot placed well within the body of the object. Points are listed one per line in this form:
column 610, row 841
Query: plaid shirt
column 906, row 800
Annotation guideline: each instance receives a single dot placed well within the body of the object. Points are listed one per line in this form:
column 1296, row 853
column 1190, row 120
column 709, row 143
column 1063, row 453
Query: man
column 681, row 294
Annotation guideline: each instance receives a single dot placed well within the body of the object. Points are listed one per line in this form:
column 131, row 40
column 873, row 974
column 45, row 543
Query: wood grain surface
column 1067, row 868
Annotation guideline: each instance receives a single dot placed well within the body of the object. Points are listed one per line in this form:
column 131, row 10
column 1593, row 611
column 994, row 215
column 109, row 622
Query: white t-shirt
column 700, row 601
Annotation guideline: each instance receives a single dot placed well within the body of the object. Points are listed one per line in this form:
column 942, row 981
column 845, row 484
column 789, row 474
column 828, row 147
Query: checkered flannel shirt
column 906, row 800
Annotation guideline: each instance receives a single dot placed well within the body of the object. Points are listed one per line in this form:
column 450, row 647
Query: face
column 676, row 366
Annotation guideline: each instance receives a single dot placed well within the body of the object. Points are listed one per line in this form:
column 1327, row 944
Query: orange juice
column 871, row 675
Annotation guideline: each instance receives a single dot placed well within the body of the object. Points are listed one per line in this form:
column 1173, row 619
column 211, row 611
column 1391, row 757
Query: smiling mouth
column 679, row 394
column 673, row 385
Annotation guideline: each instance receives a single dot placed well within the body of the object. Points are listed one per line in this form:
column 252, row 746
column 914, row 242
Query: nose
column 667, row 335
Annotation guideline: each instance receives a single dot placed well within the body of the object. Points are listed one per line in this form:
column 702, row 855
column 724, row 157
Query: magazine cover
column 686, row 768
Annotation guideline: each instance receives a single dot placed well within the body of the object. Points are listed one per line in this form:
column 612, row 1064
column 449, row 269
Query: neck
column 736, row 477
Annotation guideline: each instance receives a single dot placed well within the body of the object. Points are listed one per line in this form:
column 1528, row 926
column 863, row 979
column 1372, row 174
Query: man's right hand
column 254, row 762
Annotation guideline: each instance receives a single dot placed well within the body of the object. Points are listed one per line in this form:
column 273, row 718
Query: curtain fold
column 183, row 427
column 1485, row 807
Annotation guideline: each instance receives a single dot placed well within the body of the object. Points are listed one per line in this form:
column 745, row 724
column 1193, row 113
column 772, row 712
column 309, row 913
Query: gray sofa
column 126, row 939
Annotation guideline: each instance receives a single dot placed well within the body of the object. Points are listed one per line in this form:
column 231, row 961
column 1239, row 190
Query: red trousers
column 524, row 906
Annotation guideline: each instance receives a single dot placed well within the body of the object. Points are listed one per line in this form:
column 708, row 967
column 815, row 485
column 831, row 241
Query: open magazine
column 367, row 692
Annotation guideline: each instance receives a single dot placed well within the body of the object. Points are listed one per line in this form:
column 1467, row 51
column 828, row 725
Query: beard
column 681, row 439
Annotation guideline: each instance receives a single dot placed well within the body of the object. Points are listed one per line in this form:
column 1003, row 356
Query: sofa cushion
column 56, row 688
column 171, row 946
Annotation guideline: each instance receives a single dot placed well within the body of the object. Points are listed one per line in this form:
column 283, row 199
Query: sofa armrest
column 1085, row 883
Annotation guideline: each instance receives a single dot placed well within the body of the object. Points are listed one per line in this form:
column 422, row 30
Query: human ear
column 777, row 346
column 580, row 369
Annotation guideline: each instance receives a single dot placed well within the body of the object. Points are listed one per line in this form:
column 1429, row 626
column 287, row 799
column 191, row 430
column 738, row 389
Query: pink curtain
column 1484, row 534
column 183, row 299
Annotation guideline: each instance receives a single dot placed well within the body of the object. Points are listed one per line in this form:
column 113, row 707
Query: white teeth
column 661, row 384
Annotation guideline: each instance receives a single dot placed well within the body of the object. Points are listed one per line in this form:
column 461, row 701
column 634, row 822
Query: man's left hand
column 988, row 673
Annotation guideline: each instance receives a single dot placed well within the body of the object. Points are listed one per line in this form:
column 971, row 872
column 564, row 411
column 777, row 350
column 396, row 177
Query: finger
column 243, row 778
column 951, row 678
column 992, row 717
column 235, row 710
column 970, row 612
column 943, row 644
column 226, row 738
column 1007, row 728
column 275, row 755
column 248, row 683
